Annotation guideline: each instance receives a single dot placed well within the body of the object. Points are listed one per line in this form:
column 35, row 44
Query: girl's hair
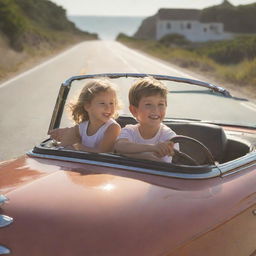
column 90, row 90
column 144, row 87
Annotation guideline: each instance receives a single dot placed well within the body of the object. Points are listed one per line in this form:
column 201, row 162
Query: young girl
column 93, row 113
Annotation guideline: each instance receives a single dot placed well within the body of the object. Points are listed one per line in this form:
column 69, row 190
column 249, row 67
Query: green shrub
column 230, row 51
column 46, row 14
column 174, row 40
column 12, row 23
column 29, row 23
column 243, row 74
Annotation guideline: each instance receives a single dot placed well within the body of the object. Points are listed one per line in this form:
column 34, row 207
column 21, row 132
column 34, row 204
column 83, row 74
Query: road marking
column 148, row 59
column 37, row 67
column 126, row 63
column 249, row 105
column 121, row 58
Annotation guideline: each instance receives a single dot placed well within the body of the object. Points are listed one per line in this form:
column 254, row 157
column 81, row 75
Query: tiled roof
column 178, row 14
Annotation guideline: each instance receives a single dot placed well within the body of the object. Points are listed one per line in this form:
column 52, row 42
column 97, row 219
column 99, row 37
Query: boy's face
column 150, row 111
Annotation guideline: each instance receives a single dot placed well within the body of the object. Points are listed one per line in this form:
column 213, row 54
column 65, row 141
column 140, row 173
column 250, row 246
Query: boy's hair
column 89, row 91
column 144, row 87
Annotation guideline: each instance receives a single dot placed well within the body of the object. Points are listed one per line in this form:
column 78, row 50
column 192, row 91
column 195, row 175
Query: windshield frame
column 66, row 86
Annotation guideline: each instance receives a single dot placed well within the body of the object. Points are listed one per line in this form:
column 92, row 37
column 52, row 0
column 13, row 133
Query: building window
column 168, row 25
column 189, row 26
column 214, row 28
column 205, row 29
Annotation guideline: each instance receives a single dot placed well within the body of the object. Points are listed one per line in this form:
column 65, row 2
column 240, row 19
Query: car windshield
column 186, row 102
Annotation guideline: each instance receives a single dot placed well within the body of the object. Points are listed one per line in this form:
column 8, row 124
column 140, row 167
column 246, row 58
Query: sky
column 134, row 7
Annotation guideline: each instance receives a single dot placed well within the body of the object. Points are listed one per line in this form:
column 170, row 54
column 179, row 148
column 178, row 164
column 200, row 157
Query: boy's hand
column 164, row 149
column 171, row 147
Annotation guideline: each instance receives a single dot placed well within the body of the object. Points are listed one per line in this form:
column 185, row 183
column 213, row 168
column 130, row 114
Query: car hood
column 62, row 208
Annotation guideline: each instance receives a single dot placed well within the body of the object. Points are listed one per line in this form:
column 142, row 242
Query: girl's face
column 102, row 107
column 150, row 111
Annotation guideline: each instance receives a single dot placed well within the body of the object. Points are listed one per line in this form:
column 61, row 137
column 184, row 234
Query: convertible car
column 57, row 201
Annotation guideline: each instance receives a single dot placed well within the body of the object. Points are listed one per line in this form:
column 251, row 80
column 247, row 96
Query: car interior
column 223, row 144
column 222, row 147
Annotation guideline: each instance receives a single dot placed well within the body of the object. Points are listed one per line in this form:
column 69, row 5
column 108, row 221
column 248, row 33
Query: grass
column 12, row 61
column 31, row 30
column 241, row 74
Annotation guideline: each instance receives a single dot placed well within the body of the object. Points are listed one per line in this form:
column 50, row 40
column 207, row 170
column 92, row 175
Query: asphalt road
column 27, row 100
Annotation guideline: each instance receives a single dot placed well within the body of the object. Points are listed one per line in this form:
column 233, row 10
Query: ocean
column 107, row 27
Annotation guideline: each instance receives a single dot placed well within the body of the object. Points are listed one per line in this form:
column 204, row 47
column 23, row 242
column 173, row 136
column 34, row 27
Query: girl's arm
column 66, row 136
column 109, row 139
column 107, row 143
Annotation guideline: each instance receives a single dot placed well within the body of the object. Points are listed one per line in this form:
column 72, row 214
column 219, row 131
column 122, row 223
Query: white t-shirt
column 132, row 133
column 93, row 140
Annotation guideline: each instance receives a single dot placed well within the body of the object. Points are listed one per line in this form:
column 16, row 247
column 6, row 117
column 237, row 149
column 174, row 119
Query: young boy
column 149, row 139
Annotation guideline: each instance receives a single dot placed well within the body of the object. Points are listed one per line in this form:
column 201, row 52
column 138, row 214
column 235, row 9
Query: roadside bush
column 12, row 24
column 46, row 14
column 174, row 40
column 230, row 51
column 243, row 74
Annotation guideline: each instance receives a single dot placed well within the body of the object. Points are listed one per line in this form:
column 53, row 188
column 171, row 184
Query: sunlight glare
column 107, row 187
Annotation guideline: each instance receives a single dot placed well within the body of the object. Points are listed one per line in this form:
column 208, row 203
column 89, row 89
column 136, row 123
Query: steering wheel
column 183, row 158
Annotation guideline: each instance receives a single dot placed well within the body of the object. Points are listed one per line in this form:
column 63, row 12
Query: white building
column 186, row 22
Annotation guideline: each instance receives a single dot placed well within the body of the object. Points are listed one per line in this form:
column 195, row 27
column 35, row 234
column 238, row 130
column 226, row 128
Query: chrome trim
column 65, row 87
column 3, row 199
column 59, row 107
column 238, row 165
column 159, row 77
column 215, row 172
column 4, row 250
column 238, row 170
column 5, row 221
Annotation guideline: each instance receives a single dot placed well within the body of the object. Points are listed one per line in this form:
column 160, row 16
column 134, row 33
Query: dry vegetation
column 32, row 30
column 239, row 75
column 13, row 62
column 10, row 60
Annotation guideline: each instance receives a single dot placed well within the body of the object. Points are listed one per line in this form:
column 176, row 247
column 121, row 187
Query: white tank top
column 94, row 140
